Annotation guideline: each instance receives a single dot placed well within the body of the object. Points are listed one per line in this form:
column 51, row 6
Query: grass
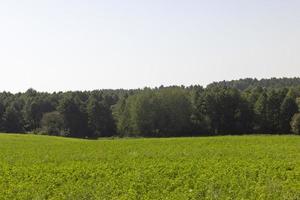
column 229, row 167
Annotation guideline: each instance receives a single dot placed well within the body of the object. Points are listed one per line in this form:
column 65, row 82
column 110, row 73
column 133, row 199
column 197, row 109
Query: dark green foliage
column 287, row 110
column 53, row 124
column 12, row 120
column 155, row 113
column 261, row 109
column 273, row 111
column 295, row 123
column 275, row 99
column 234, row 107
column 243, row 84
column 200, row 121
column 100, row 120
column 74, row 116
column 298, row 103
column 226, row 110
column 2, row 110
column 34, row 110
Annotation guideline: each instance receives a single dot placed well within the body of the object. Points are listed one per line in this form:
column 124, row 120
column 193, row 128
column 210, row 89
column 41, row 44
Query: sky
column 59, row 45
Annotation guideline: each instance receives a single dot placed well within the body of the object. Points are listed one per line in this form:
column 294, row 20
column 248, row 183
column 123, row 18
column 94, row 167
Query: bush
column 295, row 123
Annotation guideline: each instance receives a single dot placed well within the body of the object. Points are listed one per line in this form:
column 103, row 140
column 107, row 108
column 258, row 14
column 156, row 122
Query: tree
column 252, row 95
column 2, row 110
column 142, row 110
column 52, row 123
column 173, row 112
column 261, row 109
column 275, row 99
column 158, row 112
column 295, row 123
column 298, row 103
column 74, row 117
column 100, row 120
column 243, row 84
column 244, row 117
column 225, row 109
column 12, row 120
column 200, row 121
column 122, row 117
column 287, row 110
column 34, row 110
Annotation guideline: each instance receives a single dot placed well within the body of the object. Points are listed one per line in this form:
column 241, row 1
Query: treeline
column 247, row 83
column 219, row 109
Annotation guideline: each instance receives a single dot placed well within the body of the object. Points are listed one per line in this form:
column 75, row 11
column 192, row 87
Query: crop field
column 230, row 167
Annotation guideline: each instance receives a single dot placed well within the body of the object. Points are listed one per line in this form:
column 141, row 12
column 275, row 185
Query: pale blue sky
column 53, row 45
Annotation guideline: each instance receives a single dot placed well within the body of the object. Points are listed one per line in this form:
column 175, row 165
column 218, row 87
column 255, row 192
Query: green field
column 231, row 167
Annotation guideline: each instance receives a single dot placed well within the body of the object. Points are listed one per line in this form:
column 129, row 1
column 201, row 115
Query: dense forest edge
column 245, row 106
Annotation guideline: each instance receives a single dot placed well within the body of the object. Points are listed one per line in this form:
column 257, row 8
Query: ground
column 230, row 167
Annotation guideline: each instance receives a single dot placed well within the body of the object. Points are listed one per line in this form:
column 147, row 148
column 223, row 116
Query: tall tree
column 12, row 120
column 287, row 110
column 2, row 111
column 295, row 123
column 52, row 123
column 275, row 99
column 33, row 111
column 261, row 109
column 74, row 117
column 159, row 112
column 100, row 118
column 225, row 109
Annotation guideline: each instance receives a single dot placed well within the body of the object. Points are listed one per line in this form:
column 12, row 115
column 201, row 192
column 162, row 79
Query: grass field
column 231, row 167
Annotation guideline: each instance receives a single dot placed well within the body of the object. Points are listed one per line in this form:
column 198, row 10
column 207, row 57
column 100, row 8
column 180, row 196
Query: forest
column 245, row 106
